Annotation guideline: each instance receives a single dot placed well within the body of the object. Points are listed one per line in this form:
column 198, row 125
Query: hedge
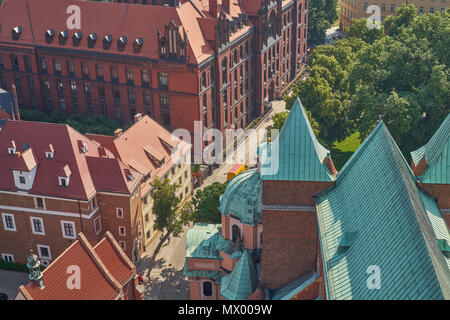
column 14, row 266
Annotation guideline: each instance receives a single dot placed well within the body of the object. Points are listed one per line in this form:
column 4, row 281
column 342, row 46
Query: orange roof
column 104, row 270
column 65, row 141
column 117, row 19
column 143, row 143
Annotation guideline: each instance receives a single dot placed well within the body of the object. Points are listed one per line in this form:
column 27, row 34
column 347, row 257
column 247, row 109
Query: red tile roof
column 117, row 19
column 104, row 270
column 68, row 159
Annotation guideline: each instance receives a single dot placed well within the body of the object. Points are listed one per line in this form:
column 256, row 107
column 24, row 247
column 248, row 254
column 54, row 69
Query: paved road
column 220, row 174
column 10, row 281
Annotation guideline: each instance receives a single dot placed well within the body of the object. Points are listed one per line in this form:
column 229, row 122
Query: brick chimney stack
column 213, row 8
column 330, row 165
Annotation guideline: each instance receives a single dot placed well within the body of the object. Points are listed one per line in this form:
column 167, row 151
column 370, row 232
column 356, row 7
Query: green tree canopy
column 321, row 15
column 206, row 203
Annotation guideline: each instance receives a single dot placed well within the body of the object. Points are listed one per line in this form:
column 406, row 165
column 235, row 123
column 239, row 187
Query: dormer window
column 11, row 151
column 137, row 45
column 62, row 182
column 76, row 38
column 129, row 175
column 63, row 37
column 91, row 40
column 49, row 155
column 49, row 151
column 107, row 42
column 83, row 146
column 121, row 43
column 16, row 32
column 346, row 240
column 49, row 34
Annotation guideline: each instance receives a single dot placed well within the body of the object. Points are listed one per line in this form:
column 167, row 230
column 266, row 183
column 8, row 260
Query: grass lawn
column 343, row 150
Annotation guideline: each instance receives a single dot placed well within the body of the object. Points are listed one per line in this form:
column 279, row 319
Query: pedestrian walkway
column 10, row 281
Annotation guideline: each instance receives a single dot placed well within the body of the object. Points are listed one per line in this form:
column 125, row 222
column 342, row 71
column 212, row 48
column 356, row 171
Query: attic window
column 49, row 34
column 107, row 42
column 137, row 45
column 63, row 182
column 16, row 31
column 63, row 37
column 91, row 40
column 444, row 246
column 83, row 146
column 129, row 175
column 11, row 151
column 346, row 240
column 76, row 38
column 49, row 155
column 121, row 43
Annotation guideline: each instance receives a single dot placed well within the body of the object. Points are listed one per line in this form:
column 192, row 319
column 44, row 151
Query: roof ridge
column 100, row 265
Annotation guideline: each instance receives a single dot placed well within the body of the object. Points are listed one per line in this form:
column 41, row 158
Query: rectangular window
column 57, row 66
column 145, row 76
column 98, row 224
column 85, row 69
column 68, row 229
column 114, row 74
column 146, row 97
column 131, row 98
column 119, row 213
column 163, row 80
column 122, row 231
column 39, row 203
column 44, row 252
column 37, row 225
column 70, row 67
column 7, row 257
column 123, row 245
column 14, row 62
column 27, row 62
column 44, row 65
column 130, row 75
column 431, row 10
column 9, row 224
column 164, row 99
column 392, row 7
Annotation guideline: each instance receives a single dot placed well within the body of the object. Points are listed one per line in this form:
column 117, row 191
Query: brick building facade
column 356, row 9
column 57, row 182
column 218, row 62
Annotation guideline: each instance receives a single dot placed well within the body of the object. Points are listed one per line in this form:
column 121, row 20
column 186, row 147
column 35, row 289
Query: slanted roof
column 242, row 197
column 376, row 196
column 437, row 155
column 242, row 281
column 98, row 277
column 300, row 155
column 201, row 241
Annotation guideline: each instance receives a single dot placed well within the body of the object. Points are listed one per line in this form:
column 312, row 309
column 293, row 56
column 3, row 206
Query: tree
column 359, row 29
column 394, row 25
column 206, row 203
column 165, row 208
column 321, row 15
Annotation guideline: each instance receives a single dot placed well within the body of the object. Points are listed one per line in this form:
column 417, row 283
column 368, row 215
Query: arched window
column 272, row 24
column 207, row 289
column 224, row 70
column 236, row 232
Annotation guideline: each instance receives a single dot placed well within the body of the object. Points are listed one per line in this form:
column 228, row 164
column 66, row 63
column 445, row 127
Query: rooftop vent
column 76, row 38
column 91, row 40
column 63, row 37
column 121, row 43
column 16, row 31
column 346, row 240
column 107, row 42
column 49, row 34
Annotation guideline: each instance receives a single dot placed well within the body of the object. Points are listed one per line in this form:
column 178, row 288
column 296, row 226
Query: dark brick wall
column 300, row 193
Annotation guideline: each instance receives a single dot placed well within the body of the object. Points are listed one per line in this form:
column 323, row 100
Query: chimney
column 330, row 165
column 118, row 132
column 226, row 5
column 420, row 168
column 213, row 8
column 15, row 114
column 137, row 117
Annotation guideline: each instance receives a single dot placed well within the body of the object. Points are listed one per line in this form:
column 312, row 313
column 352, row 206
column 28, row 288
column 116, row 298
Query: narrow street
column 162, row 264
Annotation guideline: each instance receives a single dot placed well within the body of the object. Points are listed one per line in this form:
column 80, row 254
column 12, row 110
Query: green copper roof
column 242, row 197
column 295, row 154
column 437, row 154
column 214, row 275
column 242, row 281
column 376, row 202
column 201, row 241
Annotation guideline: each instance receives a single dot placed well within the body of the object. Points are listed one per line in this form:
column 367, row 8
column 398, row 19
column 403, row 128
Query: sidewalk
column 10, row 281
